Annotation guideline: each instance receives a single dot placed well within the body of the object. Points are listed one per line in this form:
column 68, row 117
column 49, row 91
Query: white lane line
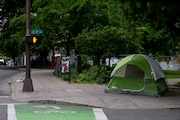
column 11, row 112
column 99, row 114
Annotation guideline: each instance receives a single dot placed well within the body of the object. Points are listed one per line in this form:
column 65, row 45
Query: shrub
column 85, row 64
column 95, row 74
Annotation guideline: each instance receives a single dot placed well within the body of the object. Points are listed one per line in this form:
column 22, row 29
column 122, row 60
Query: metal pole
column 28, row 86
column 69, row 73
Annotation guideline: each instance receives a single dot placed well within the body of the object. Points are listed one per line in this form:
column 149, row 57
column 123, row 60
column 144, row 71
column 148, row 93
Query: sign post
column 28, row 86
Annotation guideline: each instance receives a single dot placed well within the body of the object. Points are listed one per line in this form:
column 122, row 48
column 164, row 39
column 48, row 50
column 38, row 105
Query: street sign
column 36, row 31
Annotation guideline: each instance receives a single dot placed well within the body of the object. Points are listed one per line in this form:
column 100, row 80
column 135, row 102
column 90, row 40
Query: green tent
column 137, row 74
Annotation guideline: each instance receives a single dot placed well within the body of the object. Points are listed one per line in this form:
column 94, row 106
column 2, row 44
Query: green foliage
column 17, row 25
column 96, row 74
column 104, row 41
column 85, row 64
column 8, row 32
column 100, row 28
column 160, row 36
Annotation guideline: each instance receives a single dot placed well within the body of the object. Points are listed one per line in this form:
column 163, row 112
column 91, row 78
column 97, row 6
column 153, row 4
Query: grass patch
column 172, row 73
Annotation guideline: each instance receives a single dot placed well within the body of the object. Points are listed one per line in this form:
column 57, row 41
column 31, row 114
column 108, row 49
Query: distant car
column 2, row 61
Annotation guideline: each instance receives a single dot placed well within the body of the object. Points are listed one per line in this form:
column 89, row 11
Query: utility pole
column 28, row 86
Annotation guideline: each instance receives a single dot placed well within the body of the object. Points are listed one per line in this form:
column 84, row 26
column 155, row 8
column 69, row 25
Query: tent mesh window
column 132, row 71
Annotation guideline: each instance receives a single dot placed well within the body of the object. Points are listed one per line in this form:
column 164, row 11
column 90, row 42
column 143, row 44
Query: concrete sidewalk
column 49, row 88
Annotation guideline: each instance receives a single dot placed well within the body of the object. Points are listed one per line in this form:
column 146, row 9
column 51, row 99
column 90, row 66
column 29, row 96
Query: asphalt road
column 142, row 114
column 3, row 112
column 6, row 74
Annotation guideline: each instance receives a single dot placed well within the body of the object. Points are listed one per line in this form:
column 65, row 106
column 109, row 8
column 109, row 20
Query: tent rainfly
column 137, row 74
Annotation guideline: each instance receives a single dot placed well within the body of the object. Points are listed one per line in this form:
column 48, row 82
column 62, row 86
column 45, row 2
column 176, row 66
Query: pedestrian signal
column 34, row 40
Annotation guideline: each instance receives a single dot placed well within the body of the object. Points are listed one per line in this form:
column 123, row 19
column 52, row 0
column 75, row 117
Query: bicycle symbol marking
column 53, row 109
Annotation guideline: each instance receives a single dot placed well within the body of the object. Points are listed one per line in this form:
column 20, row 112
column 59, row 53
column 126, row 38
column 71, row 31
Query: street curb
column 54, row 102
column 61, row 103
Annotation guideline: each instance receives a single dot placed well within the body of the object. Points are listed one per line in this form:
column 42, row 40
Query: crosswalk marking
column 4, row 96
column 11, row 112
column 99, row 114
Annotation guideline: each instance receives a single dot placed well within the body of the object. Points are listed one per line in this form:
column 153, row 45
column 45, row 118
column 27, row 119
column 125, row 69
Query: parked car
column 2, row 62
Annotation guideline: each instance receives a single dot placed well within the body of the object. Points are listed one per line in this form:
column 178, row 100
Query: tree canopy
column 95, row 28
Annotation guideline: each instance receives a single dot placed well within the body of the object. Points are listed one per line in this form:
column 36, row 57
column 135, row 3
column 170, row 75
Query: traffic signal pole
column 28, row 85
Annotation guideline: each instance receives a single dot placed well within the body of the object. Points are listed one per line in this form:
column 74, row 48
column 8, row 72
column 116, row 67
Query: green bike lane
column 53, row 112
